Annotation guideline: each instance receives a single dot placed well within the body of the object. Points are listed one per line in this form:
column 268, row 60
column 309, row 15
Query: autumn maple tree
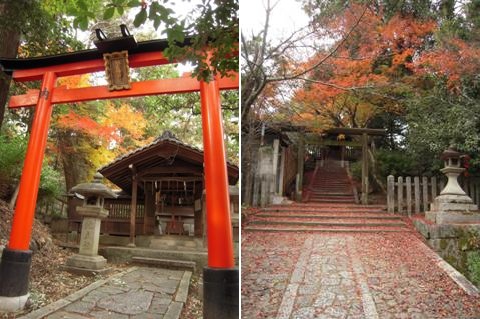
column 367, row 73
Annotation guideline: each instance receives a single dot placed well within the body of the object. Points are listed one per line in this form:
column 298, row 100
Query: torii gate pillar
column 220, row 278
column 17, row 257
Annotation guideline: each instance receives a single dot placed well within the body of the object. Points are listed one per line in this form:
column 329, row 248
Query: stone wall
column 454, row 243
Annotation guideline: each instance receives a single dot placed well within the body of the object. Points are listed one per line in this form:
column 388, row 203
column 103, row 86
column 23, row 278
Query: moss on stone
column 443, row 243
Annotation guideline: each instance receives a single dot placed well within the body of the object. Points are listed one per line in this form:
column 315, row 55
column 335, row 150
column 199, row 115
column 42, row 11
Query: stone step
column 338, row 196
column 344, row 196
column 324, row 206
column 166, row 263
column 125, row 254
column 327, row 215
column 315, row 192
column 337, row 229
column 332, row 200
column 177, row 247
column 176, row 242
column 334, row 222
column 332, row 189
column 325, row 210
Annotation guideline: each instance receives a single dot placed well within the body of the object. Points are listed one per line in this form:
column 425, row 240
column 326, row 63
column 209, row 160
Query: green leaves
column 140, row 18
column 108, row 13
column 159, row 13
column 134, row 3
column 176, row 34
column 81, row 23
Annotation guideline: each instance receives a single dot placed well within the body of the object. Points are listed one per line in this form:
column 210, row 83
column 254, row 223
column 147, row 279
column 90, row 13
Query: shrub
column 50, row 183
column 397, row 163
column 473, row 264
column 356, row 169
column 12, row 153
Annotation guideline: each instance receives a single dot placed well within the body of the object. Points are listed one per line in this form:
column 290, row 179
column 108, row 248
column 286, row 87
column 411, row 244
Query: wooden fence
column 409, row 195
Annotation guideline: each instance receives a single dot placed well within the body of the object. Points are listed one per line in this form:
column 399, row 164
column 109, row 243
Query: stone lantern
column 453, row 205
column 92, row 211
column 452, row 170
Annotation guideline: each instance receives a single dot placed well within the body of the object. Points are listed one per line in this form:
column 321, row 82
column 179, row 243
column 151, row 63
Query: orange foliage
column 74, row 81
column 455, row 59
column 85, row 125
column 374, row 55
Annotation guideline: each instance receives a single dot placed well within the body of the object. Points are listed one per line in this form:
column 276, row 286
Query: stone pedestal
column 87, row 258
column 453, row 205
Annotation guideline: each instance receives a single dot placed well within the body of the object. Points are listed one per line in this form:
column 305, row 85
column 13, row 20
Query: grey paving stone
column 104, row 314
column 336, row 312
column 306, row 313
column 324, row 299
column 130, row 303
column 94, row 296
column 82, row 307
column 111, row 290
column 158, row 309
column 147, row 316
column 161, row 300
column 174, row 310
column 66, row 315
column 182, row 292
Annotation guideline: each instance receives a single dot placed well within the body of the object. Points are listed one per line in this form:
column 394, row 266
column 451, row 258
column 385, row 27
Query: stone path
column 348, row 275
column 139, row 292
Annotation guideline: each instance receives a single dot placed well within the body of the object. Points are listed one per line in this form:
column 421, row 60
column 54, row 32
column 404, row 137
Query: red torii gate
column 221, row 275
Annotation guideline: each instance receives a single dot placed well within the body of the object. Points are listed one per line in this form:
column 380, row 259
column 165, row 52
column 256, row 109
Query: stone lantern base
column 86, row 264
column 453, row 209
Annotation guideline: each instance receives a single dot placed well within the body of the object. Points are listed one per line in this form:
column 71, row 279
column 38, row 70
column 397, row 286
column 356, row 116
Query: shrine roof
column 166, row 151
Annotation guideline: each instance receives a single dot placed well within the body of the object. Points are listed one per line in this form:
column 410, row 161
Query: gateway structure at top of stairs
column 274, row 165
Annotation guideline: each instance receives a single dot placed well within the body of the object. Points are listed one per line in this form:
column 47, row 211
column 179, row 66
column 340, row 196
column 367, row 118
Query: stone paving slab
column 139, row 292
column 383, row 275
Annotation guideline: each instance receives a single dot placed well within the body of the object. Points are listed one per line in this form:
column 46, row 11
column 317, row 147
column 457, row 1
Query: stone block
column 453, row 202
column 92, row 211
column 93, row 263
column 422, row 227
column 453, row 217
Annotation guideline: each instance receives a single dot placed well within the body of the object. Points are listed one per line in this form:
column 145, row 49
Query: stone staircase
column 326, row 217
column 329, row 207
column 330, row 184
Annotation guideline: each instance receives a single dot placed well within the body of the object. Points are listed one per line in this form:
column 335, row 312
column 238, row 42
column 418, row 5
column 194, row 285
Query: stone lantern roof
column 94, row 188
column 451, row 152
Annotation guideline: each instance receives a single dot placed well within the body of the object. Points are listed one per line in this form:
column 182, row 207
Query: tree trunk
column 10, row 37
column 75, row 166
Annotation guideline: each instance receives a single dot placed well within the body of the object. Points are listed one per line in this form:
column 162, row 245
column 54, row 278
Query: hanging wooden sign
column 117, row 70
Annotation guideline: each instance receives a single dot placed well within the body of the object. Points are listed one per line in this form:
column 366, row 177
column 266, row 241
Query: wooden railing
column 407, row 195
column 121, row 210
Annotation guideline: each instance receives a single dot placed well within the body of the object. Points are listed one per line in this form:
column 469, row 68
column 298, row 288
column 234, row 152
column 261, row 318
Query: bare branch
column 316, row 65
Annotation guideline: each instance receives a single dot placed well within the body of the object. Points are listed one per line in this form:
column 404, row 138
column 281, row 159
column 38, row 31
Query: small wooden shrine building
column 162, row 185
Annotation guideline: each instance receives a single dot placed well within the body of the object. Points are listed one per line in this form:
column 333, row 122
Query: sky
column 286, row 17
column 182, row 8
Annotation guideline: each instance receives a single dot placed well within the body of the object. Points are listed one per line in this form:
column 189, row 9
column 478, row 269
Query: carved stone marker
column 88, row 260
